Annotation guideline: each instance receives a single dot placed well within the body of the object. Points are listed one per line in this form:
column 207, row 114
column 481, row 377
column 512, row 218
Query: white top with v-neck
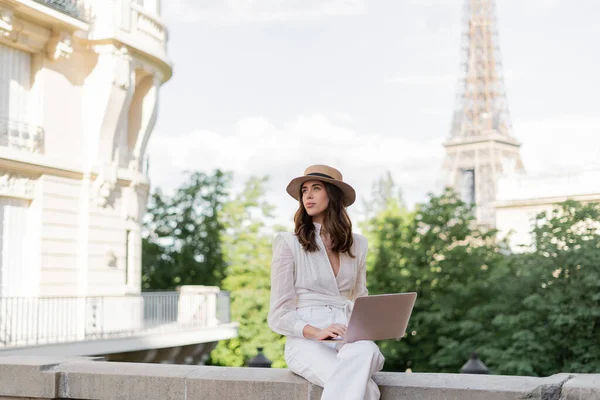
column 300, row 278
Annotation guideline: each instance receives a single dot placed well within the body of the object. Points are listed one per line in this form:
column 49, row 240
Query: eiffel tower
column 481, row 146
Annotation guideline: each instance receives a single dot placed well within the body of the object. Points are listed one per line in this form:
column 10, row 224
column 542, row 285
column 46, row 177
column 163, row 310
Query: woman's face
column 314, row 197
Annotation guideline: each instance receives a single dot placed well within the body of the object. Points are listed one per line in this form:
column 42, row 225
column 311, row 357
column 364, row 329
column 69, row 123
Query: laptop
column 378, row 317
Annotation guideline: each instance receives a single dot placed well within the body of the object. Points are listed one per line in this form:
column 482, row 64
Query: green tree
column 181, row 241
column 386, row 230
column 534, row 313
column 247, row 242
column 384, row 195
column 552, row 322
column 438, row 252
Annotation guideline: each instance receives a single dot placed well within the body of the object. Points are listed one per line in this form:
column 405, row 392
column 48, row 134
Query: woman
column 316, row 274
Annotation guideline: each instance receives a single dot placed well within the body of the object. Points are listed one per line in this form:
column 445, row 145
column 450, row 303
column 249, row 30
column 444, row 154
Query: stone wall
column 86, row 378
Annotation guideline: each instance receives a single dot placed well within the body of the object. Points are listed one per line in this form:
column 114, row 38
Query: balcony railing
column 29, row 321
column 21, row 136
column 74, row 8
column 148, row 23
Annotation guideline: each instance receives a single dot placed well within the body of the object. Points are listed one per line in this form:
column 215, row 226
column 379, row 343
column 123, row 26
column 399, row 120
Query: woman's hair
column 336, row 223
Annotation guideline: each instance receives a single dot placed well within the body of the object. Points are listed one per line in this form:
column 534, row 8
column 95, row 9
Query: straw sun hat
column 322, row 173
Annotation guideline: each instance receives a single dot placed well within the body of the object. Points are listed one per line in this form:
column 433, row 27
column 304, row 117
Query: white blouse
column 304, row 279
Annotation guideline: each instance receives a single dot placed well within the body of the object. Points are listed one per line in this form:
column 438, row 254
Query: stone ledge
column 582, row 387
column 32, row 377
column 24, row 377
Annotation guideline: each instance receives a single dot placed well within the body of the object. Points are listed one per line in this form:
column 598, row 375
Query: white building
column 521, row 197
column 79, row 89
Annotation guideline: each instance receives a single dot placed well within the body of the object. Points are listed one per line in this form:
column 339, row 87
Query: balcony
column 73, row 8
column 34, row 322
column 143, row 29
column 148, row 23
column 21, row 136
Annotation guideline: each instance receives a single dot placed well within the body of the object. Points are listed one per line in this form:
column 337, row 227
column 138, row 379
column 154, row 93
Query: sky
column 269, row 87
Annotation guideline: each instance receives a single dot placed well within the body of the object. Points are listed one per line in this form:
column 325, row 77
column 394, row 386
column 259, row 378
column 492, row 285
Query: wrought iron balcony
column 21, row 136
column 74, row 8
column 31, row 321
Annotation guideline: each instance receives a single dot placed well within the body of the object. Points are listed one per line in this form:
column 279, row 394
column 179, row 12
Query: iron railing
column 28, row 321
column 74, row 8
column 21, row 136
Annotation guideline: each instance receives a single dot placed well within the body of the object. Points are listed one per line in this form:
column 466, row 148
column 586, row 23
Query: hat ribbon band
column 321, row 175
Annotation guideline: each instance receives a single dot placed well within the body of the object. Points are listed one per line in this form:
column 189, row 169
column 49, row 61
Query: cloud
column 564, row 142
column 444, row 80
column 232, row 12
column 425, row 80
column 257, row 147
column 254, row 146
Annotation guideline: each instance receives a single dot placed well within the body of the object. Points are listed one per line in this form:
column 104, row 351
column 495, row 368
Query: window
column 468, row 186
column 14, row 268
column 15, row 81
column 15, row 70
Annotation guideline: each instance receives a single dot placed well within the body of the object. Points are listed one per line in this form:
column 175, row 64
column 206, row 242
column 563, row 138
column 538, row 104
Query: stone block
column 422, row 386
column 123, row 381
column 222, row 383
column 582, row 387
column 22, row 376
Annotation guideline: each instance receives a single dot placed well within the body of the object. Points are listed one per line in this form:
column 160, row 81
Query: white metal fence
column 28, row 321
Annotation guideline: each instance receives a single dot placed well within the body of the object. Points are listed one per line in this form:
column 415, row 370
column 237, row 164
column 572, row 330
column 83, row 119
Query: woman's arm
column 360, row 286
column 283, row 317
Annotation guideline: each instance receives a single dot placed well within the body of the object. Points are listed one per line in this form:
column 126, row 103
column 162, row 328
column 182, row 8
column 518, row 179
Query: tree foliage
column 551, row 320
column 181, row 243
column 247, row 244
column 531, row 313
column 437, row 252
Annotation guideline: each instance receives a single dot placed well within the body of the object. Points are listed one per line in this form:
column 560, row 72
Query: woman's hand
column 332, row 331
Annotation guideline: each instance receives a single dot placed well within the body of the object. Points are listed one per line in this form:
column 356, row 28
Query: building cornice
column 34, row 27
column 19, row 30
column 39, row 164
column 584, row 198
column 45, row 16
column 17, row 185
column 158, row 66
column 454, row 142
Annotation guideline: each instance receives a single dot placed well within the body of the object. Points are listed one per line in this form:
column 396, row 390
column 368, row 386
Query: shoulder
column 361, row 243
column 285, row 240
column 287, row 236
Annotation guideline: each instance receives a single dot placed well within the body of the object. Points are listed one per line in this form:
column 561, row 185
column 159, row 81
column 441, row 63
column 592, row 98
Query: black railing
column 74, row 8
column 21, row 136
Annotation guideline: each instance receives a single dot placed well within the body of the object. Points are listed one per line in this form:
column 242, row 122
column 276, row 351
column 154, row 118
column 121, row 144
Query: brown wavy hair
column 336, row 222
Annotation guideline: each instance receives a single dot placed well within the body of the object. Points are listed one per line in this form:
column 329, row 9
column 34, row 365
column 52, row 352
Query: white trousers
column 344, row 371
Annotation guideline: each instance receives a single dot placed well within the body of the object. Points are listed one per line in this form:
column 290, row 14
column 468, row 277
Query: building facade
column 78, row 97
column 521, row 197
column 79, row 91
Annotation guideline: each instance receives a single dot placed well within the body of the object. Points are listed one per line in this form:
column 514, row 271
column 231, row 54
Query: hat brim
column 293, row 188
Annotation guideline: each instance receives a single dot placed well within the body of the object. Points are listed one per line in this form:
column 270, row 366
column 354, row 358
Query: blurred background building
column 79, row 90
column 521, row 197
